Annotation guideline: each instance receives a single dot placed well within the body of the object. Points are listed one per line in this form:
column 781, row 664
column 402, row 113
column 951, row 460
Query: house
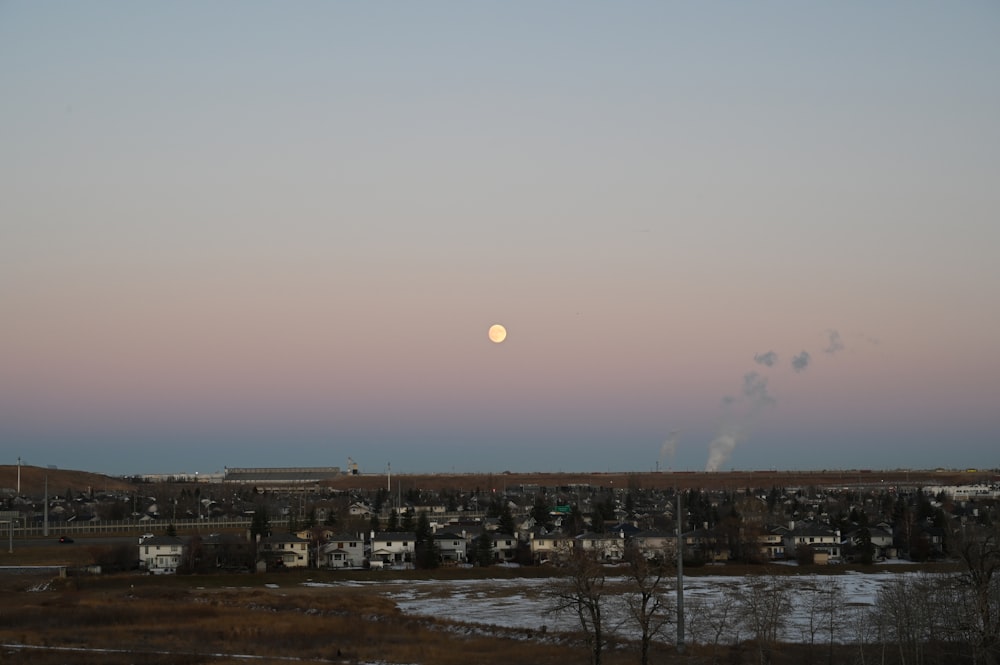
column 879, row 537
column 549, row 547
column 161, row 555
column 655, row 545
column 772, row 542
column 392, row 549
column 708, row 545
column 342, row 551
column 821, row 539
column 226, row 551
column 452, row 547
column 285, row 550
column 360, row 510
column 504, row 547
column 607, row 547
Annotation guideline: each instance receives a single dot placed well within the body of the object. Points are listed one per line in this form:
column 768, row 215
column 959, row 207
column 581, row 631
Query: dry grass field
column 278, row 618
column 230, row 619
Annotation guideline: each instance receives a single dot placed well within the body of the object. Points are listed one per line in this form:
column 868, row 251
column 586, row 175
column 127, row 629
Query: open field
column 314, row 617
column 728, row 480
column 33, row 479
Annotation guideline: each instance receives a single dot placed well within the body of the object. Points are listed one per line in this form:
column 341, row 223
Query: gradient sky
column 275, row 234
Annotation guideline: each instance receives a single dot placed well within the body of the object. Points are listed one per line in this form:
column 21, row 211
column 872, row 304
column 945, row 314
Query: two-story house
column 342, row 551
column 504, row 547
column 549, row 547
column 392, row 549
column 821, row 539
column 285, row 550
column 161, row 555
column 452, row 547
column 607, row 547
column 771, row 542
column 655, row 545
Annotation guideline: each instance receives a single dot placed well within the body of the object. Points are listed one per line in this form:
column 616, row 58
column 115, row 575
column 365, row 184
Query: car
column 65, row 539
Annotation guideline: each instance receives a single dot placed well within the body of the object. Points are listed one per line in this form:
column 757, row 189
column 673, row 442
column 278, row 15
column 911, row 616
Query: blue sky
column 270, row 234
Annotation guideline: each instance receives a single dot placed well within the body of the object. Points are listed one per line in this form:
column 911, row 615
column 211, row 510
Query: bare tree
column 821, row 607
column 913, row 619
column 714, row 623
column 581, row 593
column 647, row 602
column 979, row 586
column 764, row 605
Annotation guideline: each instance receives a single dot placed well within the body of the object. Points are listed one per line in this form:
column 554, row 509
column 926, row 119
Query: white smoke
column 720, row 450
column 768, row 359
column 669, row 447
column 835, row 343
column 734, row 430
column 801, row 361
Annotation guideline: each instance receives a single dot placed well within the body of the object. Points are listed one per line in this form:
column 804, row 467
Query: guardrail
column 122, row 527
column 205, row 525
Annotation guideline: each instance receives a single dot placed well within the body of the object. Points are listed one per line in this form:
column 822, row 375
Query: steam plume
column 768, row 359
column 801, row 361
column 836, row 344
column 669, row 447
column 735, row 429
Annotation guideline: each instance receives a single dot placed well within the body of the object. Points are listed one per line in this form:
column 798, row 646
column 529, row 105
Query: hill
column 33, row 479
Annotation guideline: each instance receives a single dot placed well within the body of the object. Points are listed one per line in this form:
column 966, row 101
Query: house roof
column 395, row 535
column 284, row 538
column 163, row 540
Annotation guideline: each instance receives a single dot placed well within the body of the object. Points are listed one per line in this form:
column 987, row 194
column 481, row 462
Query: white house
column 824, row 541
column 504, row 547
column 392, row 549
column 342, row 551
column 161, row 555
column 452, row 547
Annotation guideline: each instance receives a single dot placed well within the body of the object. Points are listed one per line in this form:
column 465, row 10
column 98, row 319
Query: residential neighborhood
column 189, row 527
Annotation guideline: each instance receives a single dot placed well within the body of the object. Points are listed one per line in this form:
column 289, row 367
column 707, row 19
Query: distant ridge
column 33, row 480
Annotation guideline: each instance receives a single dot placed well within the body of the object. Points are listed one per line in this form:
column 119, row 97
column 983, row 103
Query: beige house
column 549, row 547
column 285, row 550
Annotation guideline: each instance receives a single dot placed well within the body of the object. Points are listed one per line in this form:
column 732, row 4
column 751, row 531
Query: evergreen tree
column 540, row 510
column 425, row 548
column 506, row 520
column 331, row 517
column 310, row 520
column 483, row 552
column 171, row 530
column 407, row 522
column 393, row 524
column 260, row 525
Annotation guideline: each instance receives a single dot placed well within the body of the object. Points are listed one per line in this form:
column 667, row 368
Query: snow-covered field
column 525, row 603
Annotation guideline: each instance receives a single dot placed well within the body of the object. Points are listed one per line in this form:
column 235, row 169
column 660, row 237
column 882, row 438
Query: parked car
column 65, row 539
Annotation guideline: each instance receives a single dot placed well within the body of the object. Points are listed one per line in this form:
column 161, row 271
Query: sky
column 720, row 235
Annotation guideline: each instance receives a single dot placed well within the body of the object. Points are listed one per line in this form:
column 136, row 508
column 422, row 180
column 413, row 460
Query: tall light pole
column 680, row 578
column 19, row 476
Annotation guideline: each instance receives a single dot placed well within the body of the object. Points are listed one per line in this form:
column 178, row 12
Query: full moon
column 497, row 333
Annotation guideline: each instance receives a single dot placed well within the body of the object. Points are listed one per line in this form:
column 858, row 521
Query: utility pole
column 680, row 578
column 45, row 530
column 19, row 476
